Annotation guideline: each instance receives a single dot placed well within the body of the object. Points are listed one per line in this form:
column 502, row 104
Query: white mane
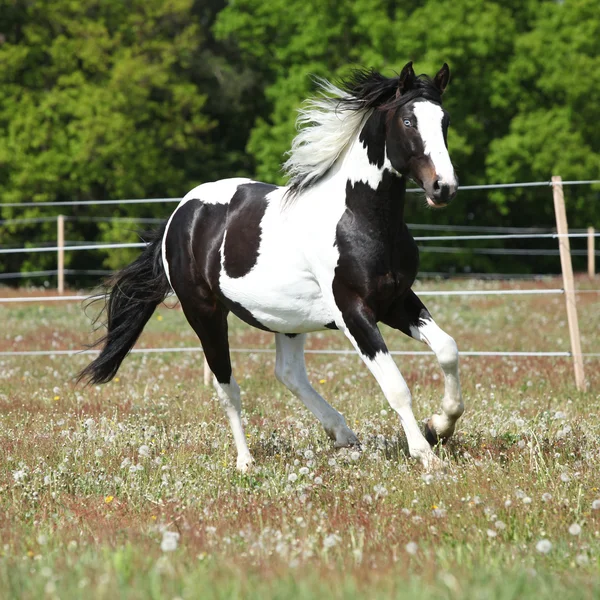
column 327, row 123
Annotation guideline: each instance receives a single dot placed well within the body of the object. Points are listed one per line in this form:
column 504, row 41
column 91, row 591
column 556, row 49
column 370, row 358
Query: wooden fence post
column 591, row 255
column 568, row 283
column 60, row 226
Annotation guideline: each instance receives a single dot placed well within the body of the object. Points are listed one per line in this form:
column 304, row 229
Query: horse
column 330, row 250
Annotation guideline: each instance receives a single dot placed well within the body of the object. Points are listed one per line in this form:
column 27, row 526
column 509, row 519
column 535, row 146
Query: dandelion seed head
column 575, row 529
column 169, row 542
column 411, row 548
column 330, row 540
column 544, row 546
column 144, row 451
column 596, row 504
column 582, row 560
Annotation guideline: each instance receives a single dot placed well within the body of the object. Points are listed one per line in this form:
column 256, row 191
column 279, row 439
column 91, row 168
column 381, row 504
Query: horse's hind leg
column 411, row 317
column 210, row 324
column 290, row 370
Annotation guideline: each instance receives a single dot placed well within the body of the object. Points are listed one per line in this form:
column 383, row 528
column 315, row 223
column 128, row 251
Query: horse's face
column 416, row 142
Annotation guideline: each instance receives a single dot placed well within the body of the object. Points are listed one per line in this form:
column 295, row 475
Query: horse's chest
column 378, row 267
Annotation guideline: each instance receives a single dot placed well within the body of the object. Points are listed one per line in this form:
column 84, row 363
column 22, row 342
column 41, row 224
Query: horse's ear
column 441, row 79
column 406, row 79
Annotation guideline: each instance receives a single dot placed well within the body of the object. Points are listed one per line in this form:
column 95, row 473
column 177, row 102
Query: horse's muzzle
column 439, row 193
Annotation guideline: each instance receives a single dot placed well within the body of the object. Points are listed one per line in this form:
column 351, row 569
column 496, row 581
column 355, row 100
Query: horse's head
column 416, row 141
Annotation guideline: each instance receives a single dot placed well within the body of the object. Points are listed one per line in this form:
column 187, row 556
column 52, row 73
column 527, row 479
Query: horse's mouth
column 433, row 204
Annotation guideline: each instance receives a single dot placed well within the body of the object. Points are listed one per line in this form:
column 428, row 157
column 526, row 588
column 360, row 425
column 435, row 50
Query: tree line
column 114, row 99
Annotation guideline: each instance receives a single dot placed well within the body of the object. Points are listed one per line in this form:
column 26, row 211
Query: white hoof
column 442, row 426
column 244, row 463
column 432, row 463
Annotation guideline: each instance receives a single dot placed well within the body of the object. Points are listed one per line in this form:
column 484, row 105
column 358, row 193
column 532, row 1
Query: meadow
column 130, row 490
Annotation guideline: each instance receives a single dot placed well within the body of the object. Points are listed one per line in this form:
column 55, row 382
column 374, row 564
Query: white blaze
column 429, row 122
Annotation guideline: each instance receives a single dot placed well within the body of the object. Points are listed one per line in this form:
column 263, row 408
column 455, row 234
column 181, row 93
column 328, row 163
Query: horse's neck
column 376, row 185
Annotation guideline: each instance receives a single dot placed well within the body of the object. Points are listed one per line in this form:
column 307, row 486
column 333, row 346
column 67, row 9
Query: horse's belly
column 279, row 302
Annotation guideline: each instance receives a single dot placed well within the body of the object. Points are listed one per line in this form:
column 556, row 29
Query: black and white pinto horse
column 330, row 250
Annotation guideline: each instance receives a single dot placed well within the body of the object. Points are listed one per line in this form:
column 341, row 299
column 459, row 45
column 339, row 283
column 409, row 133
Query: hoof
column 244, row 464
column 431, row 434
column 347, row 440
column 432, row 464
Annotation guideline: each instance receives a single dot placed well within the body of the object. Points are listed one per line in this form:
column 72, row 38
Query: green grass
column 92, row 478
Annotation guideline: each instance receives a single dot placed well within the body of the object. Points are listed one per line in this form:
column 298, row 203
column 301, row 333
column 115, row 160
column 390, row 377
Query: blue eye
column 407, row 123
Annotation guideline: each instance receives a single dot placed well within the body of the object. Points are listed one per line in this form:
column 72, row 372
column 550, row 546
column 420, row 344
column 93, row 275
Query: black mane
column 368, row 88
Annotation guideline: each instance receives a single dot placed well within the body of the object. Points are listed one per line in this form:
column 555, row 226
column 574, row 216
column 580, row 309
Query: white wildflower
column 575, row 529
column 303, row 471
column 491, row 533
column 99, row 453
column 582, row 560
column 19, row 475
column 292, row 477
column 596, row 504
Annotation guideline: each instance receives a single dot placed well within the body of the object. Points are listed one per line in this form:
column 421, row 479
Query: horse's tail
column 131, row 298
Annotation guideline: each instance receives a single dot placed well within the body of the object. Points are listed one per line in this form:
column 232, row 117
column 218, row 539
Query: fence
column 562, row 235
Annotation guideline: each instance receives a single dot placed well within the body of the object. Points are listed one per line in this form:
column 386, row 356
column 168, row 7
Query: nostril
column 436, row 185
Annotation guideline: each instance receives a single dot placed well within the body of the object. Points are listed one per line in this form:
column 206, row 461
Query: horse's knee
column 447, row 352
column 288, row 375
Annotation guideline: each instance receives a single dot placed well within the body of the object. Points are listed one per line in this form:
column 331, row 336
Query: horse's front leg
column 410, row 316
column 358, row 323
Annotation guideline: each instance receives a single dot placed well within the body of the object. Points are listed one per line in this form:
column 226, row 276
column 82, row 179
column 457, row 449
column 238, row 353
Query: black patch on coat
column 378, row 259
column 193, row 247
column 331, row 325
column 372, row 137
column 244, row 314
column 242, row 242
column 406, row 312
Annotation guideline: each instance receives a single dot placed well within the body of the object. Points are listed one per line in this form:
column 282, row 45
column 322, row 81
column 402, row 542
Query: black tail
column 132, row 296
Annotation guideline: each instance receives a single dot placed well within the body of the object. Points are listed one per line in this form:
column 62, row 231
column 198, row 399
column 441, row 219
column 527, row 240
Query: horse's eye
column 407, row 123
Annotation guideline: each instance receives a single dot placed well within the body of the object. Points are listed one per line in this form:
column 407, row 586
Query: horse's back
column 216, row 192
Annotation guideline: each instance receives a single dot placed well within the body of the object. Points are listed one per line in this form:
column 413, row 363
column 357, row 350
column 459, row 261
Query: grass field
column 130, row 490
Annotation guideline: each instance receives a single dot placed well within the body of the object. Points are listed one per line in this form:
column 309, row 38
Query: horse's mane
column 328, row 121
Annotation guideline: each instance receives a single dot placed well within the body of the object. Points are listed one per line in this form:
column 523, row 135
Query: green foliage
column 148, row 98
